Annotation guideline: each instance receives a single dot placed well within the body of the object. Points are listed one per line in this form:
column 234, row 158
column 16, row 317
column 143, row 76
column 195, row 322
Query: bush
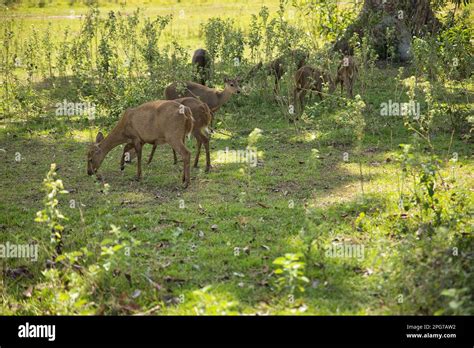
column 346, row 123
column 68, row 286
column 433, row 261
column 447, row 55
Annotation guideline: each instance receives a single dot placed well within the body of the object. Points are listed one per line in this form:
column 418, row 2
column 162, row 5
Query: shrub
column 291, row 273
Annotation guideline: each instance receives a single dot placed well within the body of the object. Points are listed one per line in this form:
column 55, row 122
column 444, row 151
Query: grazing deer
column 156, row 122
column 202, row 119
column 212, row 97
column 346, row 74
column 310, row 79
column 276, row 67
column 202, row 62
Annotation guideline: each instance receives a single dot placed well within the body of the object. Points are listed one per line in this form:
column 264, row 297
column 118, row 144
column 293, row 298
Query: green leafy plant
column 325, row 21
column 68, row 287
column 290, row 272
column 51, row 215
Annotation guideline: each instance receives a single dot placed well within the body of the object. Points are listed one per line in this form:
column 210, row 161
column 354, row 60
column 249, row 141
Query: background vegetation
column 241, row 239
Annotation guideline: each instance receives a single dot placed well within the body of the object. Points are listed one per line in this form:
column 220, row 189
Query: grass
column 227, row 228
column 185, row 249
column 185, row 25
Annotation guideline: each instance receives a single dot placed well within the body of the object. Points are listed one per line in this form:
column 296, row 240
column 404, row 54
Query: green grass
column 186, row 249
column 185, row 25
column 236, row 220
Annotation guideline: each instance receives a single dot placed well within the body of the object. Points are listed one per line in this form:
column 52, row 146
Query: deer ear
column 226, row 79
column 99, row 137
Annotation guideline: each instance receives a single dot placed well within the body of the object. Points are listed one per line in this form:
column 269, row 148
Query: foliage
column 290, row 271
column 69, row 285
column 224, row 41
column 455, row 48
column 449, row 54
column 325, row 20
column 51, row 214
column 413, row 221
column 346, row 125
column 434, row 238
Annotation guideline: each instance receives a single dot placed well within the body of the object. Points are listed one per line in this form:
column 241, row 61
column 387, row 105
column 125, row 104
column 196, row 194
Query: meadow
column 345, row 211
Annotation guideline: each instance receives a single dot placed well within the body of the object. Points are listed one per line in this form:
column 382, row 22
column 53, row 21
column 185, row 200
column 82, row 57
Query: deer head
column 233, row 85
column 95, row 155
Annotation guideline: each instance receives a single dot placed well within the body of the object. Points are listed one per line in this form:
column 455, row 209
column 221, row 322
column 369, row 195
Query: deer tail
column 189, row 121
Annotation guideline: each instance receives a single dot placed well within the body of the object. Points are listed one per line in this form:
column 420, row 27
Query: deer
column 346, row 74
column 276, row 67
column 156, row 122
column 202, row 62
column 202, row 119
column 211, row 96
column 307, row 79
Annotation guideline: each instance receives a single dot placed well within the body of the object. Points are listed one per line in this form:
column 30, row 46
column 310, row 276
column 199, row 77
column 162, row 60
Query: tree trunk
column 407, row 18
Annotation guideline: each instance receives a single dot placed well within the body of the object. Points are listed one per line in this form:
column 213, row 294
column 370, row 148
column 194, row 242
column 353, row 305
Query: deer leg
column 302, row 94
column 208, row 155
column 180, row 148
column 296, row 107
column 138, row 149
column 152, row 153
column 297, row 102
column 277, row 85
column 175, row 158
column 202, row 139
column 198, row 151
column 122, row 161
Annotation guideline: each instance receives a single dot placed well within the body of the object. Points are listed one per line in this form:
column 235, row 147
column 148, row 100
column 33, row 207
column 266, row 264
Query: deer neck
column 112, row 140
column 223, row 97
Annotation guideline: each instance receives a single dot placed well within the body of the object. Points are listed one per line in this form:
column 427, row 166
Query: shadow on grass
column 149, row 210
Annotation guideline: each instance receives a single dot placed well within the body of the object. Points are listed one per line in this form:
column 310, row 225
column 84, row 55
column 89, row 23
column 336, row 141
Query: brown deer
column 212, row 97
column 346, row 74
column 202, row 119
column 202, row 62
column 276, row 67
column 156, row 122
column 310, row 79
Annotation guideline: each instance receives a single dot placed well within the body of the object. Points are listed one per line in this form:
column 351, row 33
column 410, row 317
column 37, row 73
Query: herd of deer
column 189, row 108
